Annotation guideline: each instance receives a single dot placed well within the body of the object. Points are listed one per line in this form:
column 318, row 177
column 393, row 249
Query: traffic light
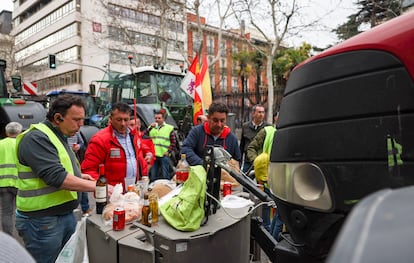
column 52, row 61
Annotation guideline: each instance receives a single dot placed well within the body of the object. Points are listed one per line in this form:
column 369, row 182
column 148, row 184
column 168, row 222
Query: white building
column 92, row 37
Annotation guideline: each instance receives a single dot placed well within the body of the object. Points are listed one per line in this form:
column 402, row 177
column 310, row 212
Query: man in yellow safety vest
column 8, row 175
column 49, row 177
column 164, row 139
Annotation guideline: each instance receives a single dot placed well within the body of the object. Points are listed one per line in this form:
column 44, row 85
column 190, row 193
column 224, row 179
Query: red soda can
column 226, row 188
column 131, row 188
column 118, row 219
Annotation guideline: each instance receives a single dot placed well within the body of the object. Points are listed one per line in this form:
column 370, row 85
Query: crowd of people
column 54, row 168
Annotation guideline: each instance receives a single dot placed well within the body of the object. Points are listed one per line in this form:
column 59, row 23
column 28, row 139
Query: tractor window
column 153, row 86
column 169, row 86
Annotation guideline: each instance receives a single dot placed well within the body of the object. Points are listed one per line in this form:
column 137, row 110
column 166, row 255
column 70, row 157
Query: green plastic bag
column 185, row 211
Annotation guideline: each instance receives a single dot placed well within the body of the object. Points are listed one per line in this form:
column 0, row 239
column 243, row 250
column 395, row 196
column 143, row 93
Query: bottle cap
column 101, row 168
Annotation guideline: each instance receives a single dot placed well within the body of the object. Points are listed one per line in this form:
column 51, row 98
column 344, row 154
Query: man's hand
column 87, row 177
column 76, row 147
column 148, row 158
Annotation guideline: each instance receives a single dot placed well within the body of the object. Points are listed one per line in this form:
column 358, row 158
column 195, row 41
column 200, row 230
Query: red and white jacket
column 105, row 148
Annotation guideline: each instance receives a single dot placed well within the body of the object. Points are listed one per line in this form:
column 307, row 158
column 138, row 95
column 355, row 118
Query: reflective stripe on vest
column 8, row 159
column 161, row 139
column 34, row 194
column 268, row 142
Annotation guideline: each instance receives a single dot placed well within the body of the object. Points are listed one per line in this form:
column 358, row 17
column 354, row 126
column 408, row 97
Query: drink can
column 118, row 219
column 131, row 188
column 226, row 188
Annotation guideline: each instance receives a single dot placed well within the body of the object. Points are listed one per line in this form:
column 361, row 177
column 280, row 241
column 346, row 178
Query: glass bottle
column 145, row 183
column 101, row 190
column 183, row 169
column 145, row 211
column 153, row 203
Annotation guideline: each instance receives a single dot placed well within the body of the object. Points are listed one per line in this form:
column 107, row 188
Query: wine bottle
column 101, row 191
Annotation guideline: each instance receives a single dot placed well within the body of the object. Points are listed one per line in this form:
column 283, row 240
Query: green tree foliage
column 371, row 12
column 250, row 62
column 287, row 59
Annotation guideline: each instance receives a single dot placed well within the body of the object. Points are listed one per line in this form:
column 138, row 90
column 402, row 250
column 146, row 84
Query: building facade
column 91, row 38
column 240, row 85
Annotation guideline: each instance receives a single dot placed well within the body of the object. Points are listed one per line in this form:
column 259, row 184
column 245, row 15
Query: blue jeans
column 84, row 202
column 8, row 205
column 276, row 227
column 161, row 164
column 44, row 237
column 266, row 214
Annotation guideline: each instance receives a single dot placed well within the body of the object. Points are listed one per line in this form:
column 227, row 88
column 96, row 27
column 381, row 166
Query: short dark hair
column 120, row 106
column 218, row 107
column 161, row 111
column 256, row 106
column 62, row 103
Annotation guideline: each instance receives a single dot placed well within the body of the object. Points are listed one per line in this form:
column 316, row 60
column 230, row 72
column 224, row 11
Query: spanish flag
column 197, row 83
column 202, row 96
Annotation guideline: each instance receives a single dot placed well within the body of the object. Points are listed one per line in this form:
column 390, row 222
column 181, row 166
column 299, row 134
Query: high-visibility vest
column 33, row 193
column 161, row 139
column 8, row 160
column 268, row 142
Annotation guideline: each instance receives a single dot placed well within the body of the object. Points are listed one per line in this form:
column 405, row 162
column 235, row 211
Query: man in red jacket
column 148, row 150
column 117, row 148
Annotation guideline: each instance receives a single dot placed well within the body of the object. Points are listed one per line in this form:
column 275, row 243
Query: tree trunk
column 269, row 76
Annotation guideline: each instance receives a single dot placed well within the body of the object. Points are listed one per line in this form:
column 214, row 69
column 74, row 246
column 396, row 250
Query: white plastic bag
column 76, row 249
column 129, row 201
column 233, row 201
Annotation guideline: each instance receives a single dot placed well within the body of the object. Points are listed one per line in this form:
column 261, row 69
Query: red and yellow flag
column 202, row 94
column 196, row 83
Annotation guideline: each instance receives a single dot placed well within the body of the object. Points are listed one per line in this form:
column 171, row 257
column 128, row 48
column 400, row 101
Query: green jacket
column 257, row 145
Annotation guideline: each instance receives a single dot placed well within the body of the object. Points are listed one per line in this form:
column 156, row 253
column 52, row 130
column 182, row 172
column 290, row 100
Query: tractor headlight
column 300, row 183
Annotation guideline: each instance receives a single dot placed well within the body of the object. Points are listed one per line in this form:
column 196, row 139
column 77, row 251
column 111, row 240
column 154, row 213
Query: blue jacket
column 200, row 136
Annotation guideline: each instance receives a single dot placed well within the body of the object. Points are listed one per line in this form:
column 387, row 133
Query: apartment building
column 93, row 38
column 225, row 73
